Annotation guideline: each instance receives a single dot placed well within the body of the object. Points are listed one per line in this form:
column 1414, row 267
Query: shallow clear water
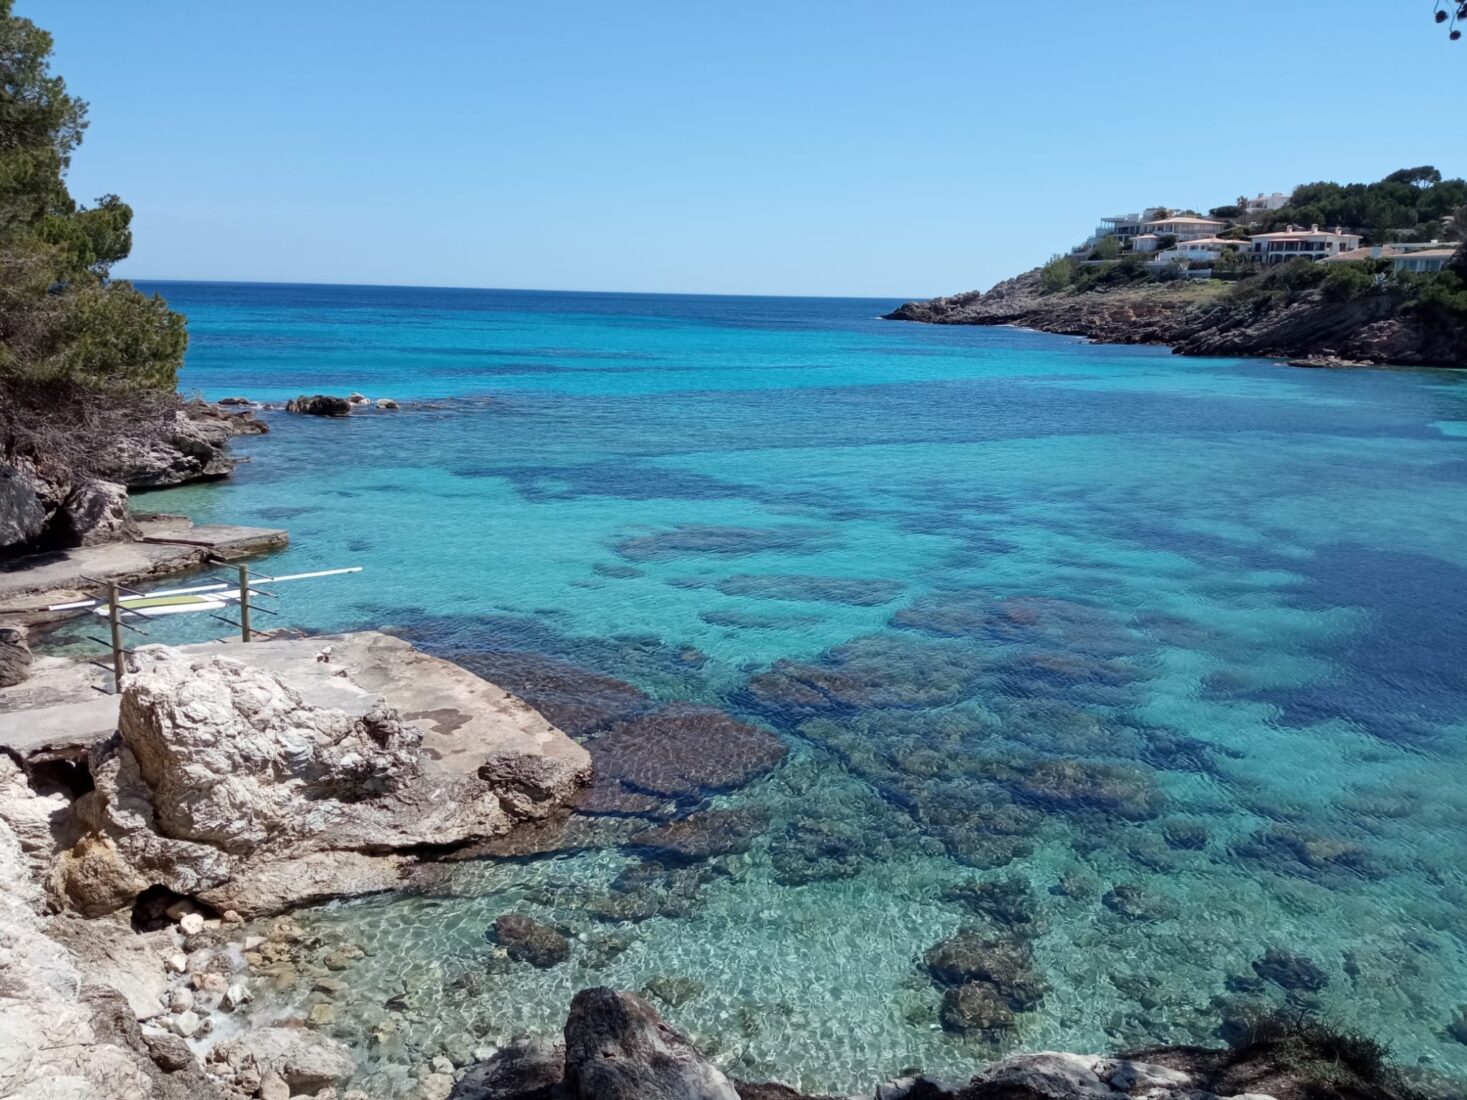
column 1234, row 592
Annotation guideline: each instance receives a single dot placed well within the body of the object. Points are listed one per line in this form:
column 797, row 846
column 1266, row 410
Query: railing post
column 114, row 620
column 244, row 602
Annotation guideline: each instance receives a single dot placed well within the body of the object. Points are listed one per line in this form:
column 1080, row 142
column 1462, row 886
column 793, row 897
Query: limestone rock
column 527, row 940
column 96, row 512
column 618, row 1048
column 305, row 1060
column 193, row 447
column 224, row 785
column 23, row 515
column 15, row 656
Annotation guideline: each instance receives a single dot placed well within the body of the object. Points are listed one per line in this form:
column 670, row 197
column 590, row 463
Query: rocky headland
column 1216, row 319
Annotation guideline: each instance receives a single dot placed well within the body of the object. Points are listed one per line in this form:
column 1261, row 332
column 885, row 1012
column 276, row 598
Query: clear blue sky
column 782, row 147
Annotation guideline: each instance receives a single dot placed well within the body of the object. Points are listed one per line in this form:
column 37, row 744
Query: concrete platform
column 57, row 713
column 170, row 544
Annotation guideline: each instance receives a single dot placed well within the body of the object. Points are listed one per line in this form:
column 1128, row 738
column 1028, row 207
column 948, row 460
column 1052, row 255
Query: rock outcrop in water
column 222, row 784
column 45, row 502
column 1197, row 320
column 616, row 1047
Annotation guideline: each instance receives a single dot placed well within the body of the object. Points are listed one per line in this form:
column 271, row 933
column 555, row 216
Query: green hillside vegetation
column 1411, row 205
column 80, row 354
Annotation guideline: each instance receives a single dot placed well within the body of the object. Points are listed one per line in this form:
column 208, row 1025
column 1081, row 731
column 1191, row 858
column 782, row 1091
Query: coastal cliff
column 1296, row 314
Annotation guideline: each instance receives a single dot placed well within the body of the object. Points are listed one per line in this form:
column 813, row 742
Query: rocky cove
column 943, row 755
column 1204, row 320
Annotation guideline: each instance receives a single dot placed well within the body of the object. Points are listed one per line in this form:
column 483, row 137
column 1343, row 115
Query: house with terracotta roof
column 1426, row 257
column 1295, row 243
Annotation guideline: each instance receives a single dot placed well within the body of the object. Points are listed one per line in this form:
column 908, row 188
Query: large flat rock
column 465, row 720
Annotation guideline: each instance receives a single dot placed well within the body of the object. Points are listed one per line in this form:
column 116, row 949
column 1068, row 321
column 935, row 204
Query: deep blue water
column 1228, row 597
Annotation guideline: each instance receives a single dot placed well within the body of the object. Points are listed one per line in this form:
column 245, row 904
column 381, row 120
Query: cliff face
column 1208, row 319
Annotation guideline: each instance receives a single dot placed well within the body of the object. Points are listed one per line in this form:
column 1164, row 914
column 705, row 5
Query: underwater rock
column 876, row 670
column 618, row 1048
column 1083, row 785
column 576, row 700
column 975, row 1006
column 650, row 889
column 1185, row 835
column 1004, row 964
column 684, row 750
column 704, row 834
column 855, row 591
column 815, row 851
column 1134, row 903
column 528, row 940
column 691, row 539
column 1293, row 850
column 1457, row 1029
column 674, row 990
column 1007, row 902
column 1292, row 972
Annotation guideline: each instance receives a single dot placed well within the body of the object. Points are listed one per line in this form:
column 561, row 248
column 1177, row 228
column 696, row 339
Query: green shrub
column 1058, row 274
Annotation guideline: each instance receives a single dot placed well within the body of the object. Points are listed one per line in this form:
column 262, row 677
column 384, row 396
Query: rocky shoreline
column 1203, row 319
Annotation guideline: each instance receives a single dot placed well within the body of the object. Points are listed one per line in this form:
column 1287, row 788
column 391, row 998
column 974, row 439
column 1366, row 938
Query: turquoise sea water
column 1097, row 617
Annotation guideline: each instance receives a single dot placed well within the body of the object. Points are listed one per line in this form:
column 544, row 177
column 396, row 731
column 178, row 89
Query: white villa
column 1264, row 203
column 1202, row 250
column 1295, row 243
column 1425, row 257
column 1184, row 227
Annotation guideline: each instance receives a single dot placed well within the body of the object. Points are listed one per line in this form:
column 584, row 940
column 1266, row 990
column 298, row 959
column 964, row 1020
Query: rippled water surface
column 1168, row 652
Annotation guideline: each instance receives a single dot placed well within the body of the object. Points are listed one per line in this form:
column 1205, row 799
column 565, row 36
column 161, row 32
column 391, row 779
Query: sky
column 690, row 146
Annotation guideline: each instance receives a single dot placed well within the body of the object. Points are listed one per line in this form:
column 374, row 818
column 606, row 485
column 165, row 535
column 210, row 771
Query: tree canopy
column 68, row 333
column 1410, row 204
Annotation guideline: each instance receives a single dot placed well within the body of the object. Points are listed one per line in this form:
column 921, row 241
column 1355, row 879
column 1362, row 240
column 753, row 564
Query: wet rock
column 96, row 512
column 674, row 990
column 319, row 404
column 684, row 750
column 705, row 834
column 1292, row 972
column 618, row 1048
column 692, row 539
column 169, row 1052
column 1007, row 902
column 528, row 940
column 15, row 656
column 523, row 1069
column 1004, row 964
column 577, row 700
column 845, row 590
column 1136, row 904
column 976, row 1006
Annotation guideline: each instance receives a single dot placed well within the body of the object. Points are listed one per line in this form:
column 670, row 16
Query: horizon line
column 527, row 290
